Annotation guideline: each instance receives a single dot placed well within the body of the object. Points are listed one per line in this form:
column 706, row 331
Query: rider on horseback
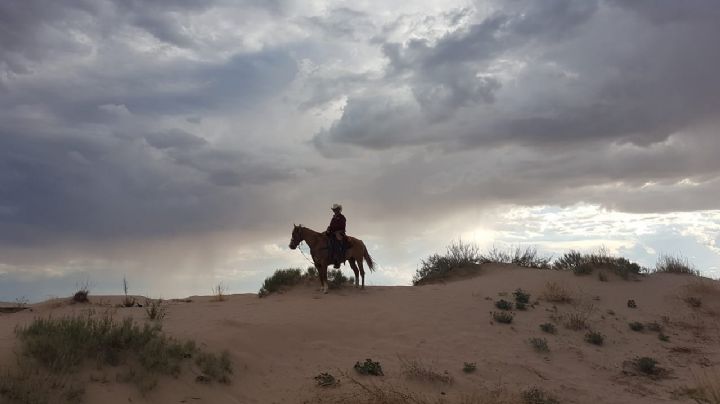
column 336, row 235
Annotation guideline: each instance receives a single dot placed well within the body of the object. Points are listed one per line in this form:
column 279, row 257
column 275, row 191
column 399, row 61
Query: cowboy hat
column 336, row 206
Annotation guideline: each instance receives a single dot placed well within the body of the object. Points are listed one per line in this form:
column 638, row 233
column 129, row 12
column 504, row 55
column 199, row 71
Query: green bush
column 155, row 310
column 646, row 365
column 527, row 257
column 457, row 255
column 502, row 317
column 336, row 279
column 281, row 278
column 326, row 380
column 60, row 346
column 675, row 265
column 469, row 367
column 539, row 344
column 311, row 273
column 215, row 367
column 636, row 326
column 594, row 338
column 369, row 368
column 694, row 302
column 536, row 395
column 503, row 304
column 548, row 328
column 583, row 264
column 521, row 296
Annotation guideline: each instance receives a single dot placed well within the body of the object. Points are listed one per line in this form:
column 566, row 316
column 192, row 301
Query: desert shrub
column 539, row 344
column 59, row 346
column 457, row 255
column 535, row 395
column 602, row 276
column 594, row 338
column 675, row 265
column 556, row 293
column 636, row 326
column 336, row 279
column 527, row 257
column 127, row 301
column 576, row 321
column 664, row 338
column 548, row 328
column 82, row 293
column 583, row 269
column 646, row 365
column 369, row 368
column 469, row 367
column 155, row 309
column 28, row 385
column 521, row 306
column 416, row 369
column 219, row 292
column 584, row 263
column 708, row 386
column 326, row 380
column 502, row 317
column 503, row 304
column 631, row 304
column 692, row 301
column 281, row 278
column 521, row 296
column 214, row 367
column 311, row 273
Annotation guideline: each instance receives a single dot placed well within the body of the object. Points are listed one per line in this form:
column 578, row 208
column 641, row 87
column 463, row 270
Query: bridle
column 296, row 237
column 295, row 240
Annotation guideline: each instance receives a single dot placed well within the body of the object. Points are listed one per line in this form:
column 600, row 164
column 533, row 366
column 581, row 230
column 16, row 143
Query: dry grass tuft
column 703, row 286
column 417, row 369
column 708, row 386
column 371, row 392
column 675, row 265
column 219, row 292
column 82, row 293
column 556, row 293
column 576, row 321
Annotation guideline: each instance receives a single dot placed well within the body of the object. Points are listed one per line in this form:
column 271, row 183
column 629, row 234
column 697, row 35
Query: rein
column 303, row 254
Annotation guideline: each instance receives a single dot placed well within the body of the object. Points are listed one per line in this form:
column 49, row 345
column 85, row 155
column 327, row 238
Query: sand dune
column 281, row 342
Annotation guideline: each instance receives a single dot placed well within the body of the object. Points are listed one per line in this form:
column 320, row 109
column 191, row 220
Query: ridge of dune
column 281, row 342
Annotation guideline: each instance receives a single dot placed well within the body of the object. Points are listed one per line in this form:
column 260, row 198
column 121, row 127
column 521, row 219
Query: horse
column 318, row 243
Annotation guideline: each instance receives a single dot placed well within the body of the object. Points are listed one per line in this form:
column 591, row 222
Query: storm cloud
column 207, row 128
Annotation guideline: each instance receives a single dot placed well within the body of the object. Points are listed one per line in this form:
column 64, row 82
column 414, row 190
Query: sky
column 175, row 143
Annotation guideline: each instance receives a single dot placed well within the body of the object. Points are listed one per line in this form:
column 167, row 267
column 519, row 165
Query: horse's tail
column 369, row 259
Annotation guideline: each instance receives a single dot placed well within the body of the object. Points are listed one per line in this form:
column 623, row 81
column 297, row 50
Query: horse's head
column 296, row 237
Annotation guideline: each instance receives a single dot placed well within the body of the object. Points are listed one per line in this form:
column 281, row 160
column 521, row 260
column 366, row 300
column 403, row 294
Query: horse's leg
column 354, row 267
column 362, row 272
column 319, row 271
column 324, row 278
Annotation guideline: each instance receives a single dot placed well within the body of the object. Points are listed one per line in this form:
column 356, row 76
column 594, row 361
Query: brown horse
column 318, row 243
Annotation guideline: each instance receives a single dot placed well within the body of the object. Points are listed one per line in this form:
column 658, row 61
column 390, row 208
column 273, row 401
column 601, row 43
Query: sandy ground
column 279, row 343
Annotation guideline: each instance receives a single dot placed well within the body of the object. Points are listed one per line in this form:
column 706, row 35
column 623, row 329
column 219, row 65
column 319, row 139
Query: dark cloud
column 128, row 125
column 114, row 187
column 578, row 81
column 174, row 139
